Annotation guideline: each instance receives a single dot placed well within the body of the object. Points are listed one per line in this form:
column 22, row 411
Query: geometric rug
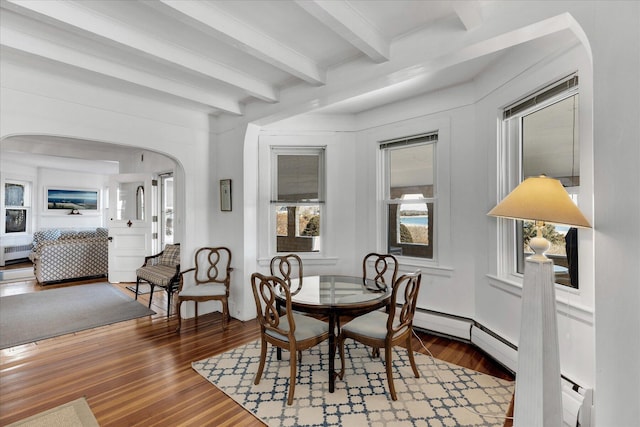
column 444, row 395
column 35, row 316
column 72, row 414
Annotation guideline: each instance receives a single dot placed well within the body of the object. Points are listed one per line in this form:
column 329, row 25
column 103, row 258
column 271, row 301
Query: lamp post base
column 538, row 395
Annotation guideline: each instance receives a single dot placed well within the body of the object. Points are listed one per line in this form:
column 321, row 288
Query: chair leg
column 387, row 362
column 292, row 381
column 151, row 293
column 411, row 358
column 169, row 295
column 263, row 358
column 341, row 347
column 178, row 304
column 225, row 314
column 137, row 286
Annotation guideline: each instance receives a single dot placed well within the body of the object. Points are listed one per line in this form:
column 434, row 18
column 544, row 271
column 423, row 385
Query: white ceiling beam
column 214, row 21
column 46, row 49
column 73, row 15
column 469, row 12
column 342, row 18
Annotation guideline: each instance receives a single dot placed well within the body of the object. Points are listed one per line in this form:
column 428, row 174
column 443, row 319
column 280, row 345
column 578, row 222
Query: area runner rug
column 143, row 289
column 39, row 315
column 73, row 414
column 444, row 395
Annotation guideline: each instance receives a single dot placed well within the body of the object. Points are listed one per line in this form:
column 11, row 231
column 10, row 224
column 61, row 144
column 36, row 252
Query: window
column 17, row 202
column 298, row 198
column 166, row 209
column 410, row 195
column 542, row 134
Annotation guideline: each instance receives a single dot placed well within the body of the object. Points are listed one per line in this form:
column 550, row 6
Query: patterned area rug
column 444, row 395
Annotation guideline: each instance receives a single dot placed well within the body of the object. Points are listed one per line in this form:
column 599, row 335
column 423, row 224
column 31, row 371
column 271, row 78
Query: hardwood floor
column 138, row 372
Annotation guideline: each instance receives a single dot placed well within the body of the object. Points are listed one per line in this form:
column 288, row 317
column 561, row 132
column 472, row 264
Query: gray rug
column 45, row 314
column 144, row 289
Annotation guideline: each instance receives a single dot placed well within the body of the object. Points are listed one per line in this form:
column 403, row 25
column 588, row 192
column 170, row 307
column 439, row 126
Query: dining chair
column 162, row 270
column 382, row 268
column 386, row 330
column 287, row 267
column 289, row 331
column 209, row 280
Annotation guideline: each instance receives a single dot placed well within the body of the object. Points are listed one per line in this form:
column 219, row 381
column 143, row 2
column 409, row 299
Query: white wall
column 36, row 102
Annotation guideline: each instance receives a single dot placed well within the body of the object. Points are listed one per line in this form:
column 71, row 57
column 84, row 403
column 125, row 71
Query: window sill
column 306, row 259
column 576, row 311
column 409, row 265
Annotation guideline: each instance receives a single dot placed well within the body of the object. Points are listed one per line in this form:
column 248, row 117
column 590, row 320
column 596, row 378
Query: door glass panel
column 126, row 199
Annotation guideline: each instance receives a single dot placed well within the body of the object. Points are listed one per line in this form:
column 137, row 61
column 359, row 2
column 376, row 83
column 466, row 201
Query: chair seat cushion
column 214, row 289
column 306, row 327
column 373, row 324
column 157, row 274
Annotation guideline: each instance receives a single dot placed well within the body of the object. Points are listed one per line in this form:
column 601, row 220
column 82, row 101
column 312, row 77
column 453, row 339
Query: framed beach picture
column 65, row 199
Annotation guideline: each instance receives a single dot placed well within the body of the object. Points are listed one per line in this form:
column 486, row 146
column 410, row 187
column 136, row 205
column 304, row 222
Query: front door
column 129, row 225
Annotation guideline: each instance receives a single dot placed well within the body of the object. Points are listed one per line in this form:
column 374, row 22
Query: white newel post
column 538, row 398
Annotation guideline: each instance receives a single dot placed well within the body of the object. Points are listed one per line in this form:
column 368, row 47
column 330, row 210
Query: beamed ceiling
column 265, row 60
column 219, row 56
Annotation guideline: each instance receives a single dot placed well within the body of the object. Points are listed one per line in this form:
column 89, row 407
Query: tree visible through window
column 298, row 195
column 544, row 127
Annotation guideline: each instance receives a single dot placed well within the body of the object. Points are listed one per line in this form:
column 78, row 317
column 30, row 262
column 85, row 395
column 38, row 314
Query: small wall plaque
column 225, row 195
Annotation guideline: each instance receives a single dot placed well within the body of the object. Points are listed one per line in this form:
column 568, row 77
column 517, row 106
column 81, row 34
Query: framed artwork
column 225, row 195
column 72, row 199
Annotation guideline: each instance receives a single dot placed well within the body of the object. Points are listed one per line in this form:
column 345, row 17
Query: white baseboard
column 451, row 326
column 497, row 349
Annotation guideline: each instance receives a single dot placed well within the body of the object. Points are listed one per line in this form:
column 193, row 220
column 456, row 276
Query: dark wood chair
column 287, row 267
column 209, row 280
column 161, row 270
column 386, row 330
column 289, row 331
column 382, row 268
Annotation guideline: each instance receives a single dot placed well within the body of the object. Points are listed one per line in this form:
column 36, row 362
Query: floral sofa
column 66, row 254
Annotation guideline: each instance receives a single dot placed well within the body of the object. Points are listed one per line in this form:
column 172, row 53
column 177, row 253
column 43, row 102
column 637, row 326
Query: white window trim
column 510, row 171
column 276, row 150
column 28, row 205
column 441, row 262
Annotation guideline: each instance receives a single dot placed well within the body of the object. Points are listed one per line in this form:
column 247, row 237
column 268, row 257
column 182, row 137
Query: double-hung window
column 297, row 197
column 17, row 203
column 410, row 195
column 541, row 137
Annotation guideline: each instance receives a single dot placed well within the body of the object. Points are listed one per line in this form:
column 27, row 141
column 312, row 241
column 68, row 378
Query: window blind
column 562, row 85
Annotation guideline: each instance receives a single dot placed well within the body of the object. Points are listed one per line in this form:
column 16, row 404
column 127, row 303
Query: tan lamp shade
column 541, row 199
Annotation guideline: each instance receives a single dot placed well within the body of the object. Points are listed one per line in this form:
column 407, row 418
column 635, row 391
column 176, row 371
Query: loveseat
column 66, row 254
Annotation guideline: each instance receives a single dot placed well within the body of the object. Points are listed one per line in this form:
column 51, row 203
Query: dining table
column 334, row 296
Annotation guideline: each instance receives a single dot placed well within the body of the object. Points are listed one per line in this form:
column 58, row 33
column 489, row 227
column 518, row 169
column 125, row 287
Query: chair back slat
column 410, row 284
column 287, row 267
column 264, row 293
column 212, row 265
column 384, row 269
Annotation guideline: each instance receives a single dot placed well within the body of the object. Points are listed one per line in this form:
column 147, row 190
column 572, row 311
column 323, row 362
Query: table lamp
column 538, row 398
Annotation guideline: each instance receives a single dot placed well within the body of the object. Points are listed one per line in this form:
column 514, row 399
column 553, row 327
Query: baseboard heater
column 577, row 401
column 13, row 253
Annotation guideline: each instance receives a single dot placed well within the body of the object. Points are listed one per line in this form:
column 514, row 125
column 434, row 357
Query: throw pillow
column 170, row 256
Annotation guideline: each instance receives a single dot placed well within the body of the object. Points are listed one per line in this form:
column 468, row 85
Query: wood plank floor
column 138, row 372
